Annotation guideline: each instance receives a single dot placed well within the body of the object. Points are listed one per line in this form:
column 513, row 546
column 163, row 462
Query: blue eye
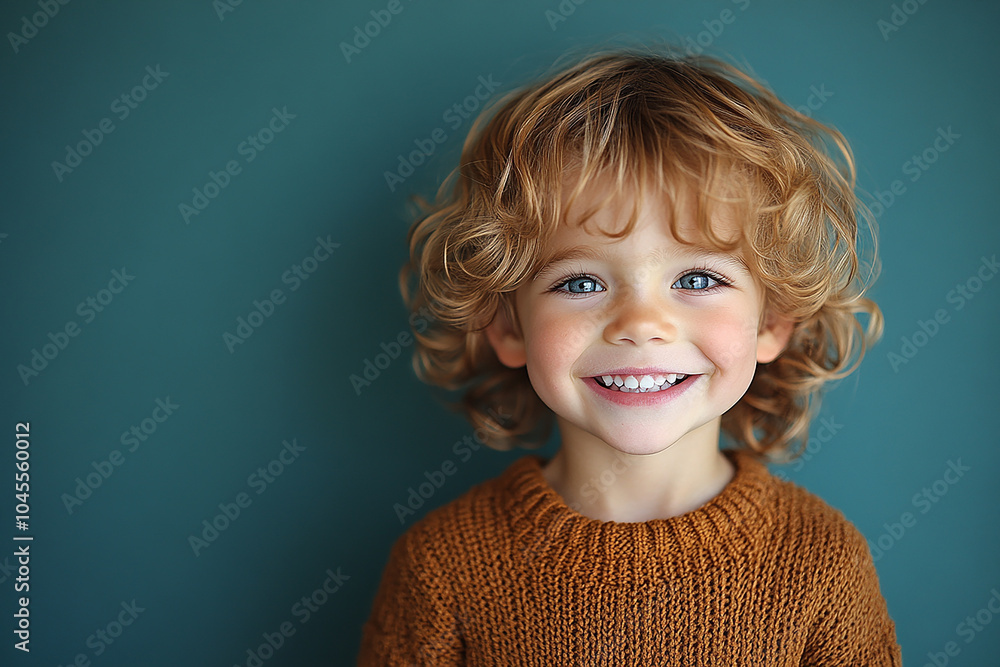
column 698, row 282
column 580, row 285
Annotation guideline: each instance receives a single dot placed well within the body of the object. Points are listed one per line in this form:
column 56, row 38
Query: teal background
column 323, row 176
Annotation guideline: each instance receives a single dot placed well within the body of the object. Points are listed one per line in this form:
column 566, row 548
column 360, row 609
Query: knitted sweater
column 763, row 574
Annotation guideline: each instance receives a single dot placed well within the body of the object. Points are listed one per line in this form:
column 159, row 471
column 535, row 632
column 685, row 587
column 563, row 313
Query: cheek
column 729, row 339
column 555, row 341
column 550, row 338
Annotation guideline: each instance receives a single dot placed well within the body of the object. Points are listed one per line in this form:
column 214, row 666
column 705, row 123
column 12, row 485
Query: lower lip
column 642, row 398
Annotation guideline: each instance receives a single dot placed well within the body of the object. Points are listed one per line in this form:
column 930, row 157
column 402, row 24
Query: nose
column 640, row 321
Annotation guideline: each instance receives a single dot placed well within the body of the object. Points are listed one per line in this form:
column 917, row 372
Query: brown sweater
column 765, row 573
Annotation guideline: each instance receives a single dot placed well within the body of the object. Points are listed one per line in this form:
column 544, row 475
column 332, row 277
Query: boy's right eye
column 579, row 285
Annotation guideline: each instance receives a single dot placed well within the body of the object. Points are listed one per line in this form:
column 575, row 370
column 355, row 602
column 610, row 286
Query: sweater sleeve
column 412, row 621
column 852, row 626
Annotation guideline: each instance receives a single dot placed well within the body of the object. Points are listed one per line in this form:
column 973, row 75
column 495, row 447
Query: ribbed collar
column 554, row 537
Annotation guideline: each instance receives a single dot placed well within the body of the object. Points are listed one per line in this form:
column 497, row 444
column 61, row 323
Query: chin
column 640, row 444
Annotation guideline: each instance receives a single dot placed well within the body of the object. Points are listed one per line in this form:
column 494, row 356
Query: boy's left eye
column 697, row 281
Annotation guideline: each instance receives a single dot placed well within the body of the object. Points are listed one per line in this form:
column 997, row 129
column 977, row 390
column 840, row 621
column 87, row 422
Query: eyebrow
column 692, row 252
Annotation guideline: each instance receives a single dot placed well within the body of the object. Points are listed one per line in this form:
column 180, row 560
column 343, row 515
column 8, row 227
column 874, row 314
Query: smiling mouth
column 640, row 384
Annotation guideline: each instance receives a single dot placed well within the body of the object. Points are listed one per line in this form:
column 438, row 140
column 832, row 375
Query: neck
column 606, row 484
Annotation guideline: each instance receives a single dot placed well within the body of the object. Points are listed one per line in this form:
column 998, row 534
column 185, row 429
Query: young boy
column 651, row 250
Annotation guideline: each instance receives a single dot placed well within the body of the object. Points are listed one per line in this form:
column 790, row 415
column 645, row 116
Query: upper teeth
column 641, row 383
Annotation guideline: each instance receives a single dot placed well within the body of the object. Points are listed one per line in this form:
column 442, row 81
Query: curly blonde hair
column 664, row 121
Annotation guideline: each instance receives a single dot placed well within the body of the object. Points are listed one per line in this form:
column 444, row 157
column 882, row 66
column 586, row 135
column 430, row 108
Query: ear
column 773, row 337
column 506, row 339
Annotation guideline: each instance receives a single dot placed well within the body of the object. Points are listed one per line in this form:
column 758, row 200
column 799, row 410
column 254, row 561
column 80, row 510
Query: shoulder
column 823, row 542
column 469, row 523
column 433, row 568
column 790, row 516
column 827, row 558
column 812, row 519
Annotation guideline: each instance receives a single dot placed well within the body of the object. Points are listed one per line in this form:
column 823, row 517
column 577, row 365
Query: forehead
column 601, row 212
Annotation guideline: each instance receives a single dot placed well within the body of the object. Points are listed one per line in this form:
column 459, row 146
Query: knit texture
column 763, row 574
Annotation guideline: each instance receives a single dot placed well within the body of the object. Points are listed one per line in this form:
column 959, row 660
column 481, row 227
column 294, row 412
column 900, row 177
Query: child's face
column 639, row 310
